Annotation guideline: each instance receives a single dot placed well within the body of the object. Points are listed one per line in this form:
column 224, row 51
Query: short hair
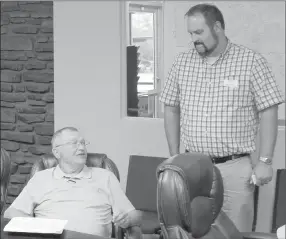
column 59, row 132
column 210, row 12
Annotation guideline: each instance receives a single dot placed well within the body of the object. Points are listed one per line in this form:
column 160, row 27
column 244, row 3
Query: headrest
column 195, row 169
column 201, row 177
column 93, row 160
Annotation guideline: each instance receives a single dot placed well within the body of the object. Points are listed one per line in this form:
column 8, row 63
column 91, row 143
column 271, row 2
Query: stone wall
column 27, row 85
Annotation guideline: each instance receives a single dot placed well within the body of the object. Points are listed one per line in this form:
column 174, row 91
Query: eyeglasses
column 74, row 144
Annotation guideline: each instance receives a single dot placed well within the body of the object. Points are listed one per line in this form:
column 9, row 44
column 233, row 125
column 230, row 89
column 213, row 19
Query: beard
column 204, row 50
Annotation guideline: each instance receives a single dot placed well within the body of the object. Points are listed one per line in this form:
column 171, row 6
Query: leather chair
column 5, row 176
column 93, row 160
column 190, row 199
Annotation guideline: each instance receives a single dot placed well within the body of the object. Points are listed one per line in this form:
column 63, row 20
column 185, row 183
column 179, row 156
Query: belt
column 218, row 160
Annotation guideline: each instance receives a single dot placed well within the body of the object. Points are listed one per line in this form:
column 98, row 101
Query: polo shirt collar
column 85, row 173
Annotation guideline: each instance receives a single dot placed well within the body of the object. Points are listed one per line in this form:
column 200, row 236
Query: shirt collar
column 228, row 46
column 85, row 173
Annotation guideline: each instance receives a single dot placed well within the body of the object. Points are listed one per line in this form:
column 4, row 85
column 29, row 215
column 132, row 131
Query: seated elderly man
column 86, row 202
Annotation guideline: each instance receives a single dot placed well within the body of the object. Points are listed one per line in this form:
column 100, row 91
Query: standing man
column 215, row 97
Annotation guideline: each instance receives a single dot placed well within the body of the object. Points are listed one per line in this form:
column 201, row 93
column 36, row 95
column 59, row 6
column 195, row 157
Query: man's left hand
column 263, row 173
column 122, row 220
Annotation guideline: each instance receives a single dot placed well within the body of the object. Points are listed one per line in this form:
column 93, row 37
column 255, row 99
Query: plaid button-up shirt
column 220, row 103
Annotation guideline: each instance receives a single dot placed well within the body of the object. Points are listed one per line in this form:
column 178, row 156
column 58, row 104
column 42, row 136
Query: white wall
column 89, row 93
column 87, row 83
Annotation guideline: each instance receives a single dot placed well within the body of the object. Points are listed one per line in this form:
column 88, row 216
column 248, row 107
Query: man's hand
column 263, row 173
column 122, row 220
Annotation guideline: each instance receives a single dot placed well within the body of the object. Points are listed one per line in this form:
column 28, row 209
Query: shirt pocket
column 232, row 91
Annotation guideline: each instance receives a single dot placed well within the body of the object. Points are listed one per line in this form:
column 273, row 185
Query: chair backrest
column 141, row 188
column 5, row 176
column 190, row 199
column 93, row 160
column 279, row 212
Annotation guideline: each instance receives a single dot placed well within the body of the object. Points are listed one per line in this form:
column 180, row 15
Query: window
column 145, row 34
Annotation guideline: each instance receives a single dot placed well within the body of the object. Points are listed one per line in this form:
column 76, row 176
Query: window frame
column 155, row 7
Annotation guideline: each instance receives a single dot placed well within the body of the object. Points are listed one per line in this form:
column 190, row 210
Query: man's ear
column 56, row 153
column 218, row 27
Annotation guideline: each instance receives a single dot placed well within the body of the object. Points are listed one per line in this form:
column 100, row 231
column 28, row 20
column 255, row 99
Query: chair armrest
column 258, row 235
column 131, row 233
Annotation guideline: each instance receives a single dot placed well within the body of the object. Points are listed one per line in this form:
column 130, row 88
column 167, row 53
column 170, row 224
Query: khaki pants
column 238, row 192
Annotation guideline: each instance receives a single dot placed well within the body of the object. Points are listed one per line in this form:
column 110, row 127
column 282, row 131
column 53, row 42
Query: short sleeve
column 119, row 201
column 264, row 87
column 25, row 202
column 170, row 92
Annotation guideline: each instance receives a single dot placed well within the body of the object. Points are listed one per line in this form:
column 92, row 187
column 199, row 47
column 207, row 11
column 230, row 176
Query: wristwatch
column 266, row 160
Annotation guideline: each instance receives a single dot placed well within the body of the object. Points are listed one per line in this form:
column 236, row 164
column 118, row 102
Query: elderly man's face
column 70, row 147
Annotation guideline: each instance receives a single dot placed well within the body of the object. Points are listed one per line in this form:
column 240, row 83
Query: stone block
column 47, row 26
column 37, row 7
column 50, row 65
column 14, row 66
column 25, row 128
column 29, row 118
column 6, row 87
column 10, row 145
column 4, row 30
column 19, row 88
column 17, row 20
column 30, row 54
column 44, row 140
column 38, row 77
column 45, row 57
column 36, row 103
column 24, row 169
column 48, row 97
column 50, row 117
column 13, row 56
column 8, row 116
column 35, row 66
column 30, row 159
column 17, row 158
column 24, row 147
column 28, row 2
column 7, row 104
column 14, row 190
column 42, row 39
column 9, row 6
column 40, row 150
column 44, row 47
column 16, row 43
column 9, row 200
column 34, row 21
column 10, row 76
column 44, row 129
column 18, row 137
column 41, row 15
column 38, row 87
column 4, row 19
column 7, row 126
column 18, row 178
column 35, row 97
column 19, row 14
column 30, row 110
column 13, row 97
column 25, row 30
column 14, row 168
